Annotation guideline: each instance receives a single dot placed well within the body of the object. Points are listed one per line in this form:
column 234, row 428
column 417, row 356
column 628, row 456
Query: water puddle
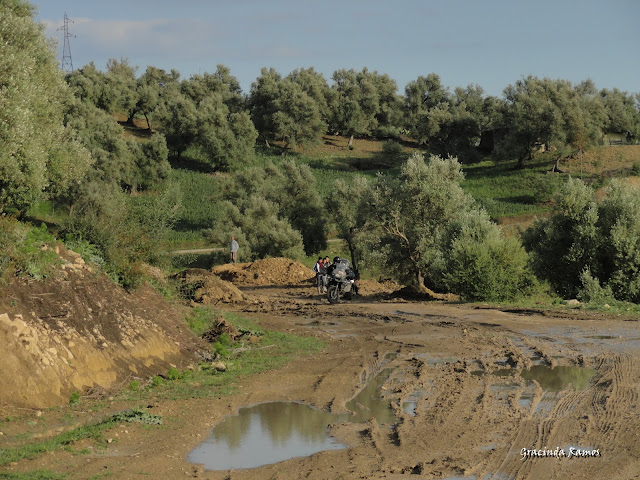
column 264, row 434
column 272, row 432
column 368, row 403
column 558, row 378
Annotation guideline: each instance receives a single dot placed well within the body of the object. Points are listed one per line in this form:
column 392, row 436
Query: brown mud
column 457, row 415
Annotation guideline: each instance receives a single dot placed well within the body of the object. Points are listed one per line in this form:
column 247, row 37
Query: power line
column 67, row 62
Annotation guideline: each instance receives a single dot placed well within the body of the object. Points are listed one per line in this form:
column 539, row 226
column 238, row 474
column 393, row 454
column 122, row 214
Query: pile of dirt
column 78, row 331
column 423, row 294
column 377, row 288
column 271, row 271
column 202, row 287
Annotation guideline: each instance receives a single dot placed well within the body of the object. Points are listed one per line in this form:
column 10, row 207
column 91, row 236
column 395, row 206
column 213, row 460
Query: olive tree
column 39, row 156
column 429, row 232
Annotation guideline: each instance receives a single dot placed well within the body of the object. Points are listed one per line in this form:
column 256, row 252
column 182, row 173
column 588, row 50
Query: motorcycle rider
column 343, row 264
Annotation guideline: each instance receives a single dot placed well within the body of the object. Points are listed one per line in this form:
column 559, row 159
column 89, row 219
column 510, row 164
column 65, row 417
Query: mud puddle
column 558, row 378
column 273, row 432
column 264, row 434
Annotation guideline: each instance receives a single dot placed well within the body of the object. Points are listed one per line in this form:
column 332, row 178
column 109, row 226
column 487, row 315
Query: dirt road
column 471, row 389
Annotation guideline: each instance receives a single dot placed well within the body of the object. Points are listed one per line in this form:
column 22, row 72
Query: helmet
column 336, row 260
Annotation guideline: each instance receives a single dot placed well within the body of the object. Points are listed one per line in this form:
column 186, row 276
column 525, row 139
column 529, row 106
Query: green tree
column 288, row 110
column 221, row 82
column 426, row 107
column 619, row 253
column 292, row 189
column 345, row 205
column 530, row 118
column 427, row 230
column 178, row 119
column 227, row 139
column 39, row 157
column 623, row 114
column 563, row 245
column 363, row 103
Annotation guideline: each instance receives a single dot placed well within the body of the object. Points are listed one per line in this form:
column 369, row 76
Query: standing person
column 319, row 269
column 233, row 247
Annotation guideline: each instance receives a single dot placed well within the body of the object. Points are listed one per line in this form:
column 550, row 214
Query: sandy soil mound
column 271, row 271
column 202, row 286
column 77, row 331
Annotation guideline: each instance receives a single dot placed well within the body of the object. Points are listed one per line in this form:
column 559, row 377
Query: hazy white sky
column 491, row 43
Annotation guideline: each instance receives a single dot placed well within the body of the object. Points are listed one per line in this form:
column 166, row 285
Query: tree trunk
column 148, row 122
column 352, row 252
column 350, row 144
column 130, row 120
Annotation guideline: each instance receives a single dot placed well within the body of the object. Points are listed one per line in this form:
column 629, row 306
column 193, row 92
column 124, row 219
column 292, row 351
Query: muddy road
column 473, row 393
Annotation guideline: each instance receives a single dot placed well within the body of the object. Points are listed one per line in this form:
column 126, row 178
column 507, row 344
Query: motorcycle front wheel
column 333, row 294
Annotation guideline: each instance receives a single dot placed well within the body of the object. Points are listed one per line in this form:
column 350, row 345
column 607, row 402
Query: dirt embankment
column 77, row 331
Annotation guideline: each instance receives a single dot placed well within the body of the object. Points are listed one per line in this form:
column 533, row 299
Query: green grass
column 198, row 211
column 34, row 475
column 274, row 350
column 506, row 191
column 32, row 450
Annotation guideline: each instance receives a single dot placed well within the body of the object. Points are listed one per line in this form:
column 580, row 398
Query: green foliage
column 345, row 204
column 601, row 239
column 26, row 250
column 89, row 252
column 427, row 229
column 480, row 264
column 126, row 233
column 271, row 211
column 39, row 157
column 136, row 415
column 551, row 113
column 34, row 475
column 566, row 243
column 592, row 292
column 74, row 397
column 200, row 320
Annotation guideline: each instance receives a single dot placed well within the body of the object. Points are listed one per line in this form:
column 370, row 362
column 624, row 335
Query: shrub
column 591, row 291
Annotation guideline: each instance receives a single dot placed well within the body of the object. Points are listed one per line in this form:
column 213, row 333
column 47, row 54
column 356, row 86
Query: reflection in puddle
column 264, row 434
column 558, row 378
column 551, row 379
column 272, row 432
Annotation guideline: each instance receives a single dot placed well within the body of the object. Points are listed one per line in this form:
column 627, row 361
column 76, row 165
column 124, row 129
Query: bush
column 493, row 268
column 601, row 239
column 592, row 292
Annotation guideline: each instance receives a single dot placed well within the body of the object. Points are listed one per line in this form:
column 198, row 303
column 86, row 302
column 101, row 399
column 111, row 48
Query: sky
column 490, row 43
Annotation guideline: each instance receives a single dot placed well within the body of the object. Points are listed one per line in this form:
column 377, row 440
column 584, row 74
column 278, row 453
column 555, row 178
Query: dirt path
column 457, row 386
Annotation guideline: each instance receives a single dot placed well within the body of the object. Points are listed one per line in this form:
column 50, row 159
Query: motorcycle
column 341, row 282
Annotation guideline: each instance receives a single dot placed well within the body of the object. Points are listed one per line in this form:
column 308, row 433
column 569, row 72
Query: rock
column 573, row 302
column 219, row 366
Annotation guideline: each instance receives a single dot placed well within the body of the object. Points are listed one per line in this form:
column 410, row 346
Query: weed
column 74, row 398
column 134, row 386
column 157, row 381
column 35, row 475
column 63, row 441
